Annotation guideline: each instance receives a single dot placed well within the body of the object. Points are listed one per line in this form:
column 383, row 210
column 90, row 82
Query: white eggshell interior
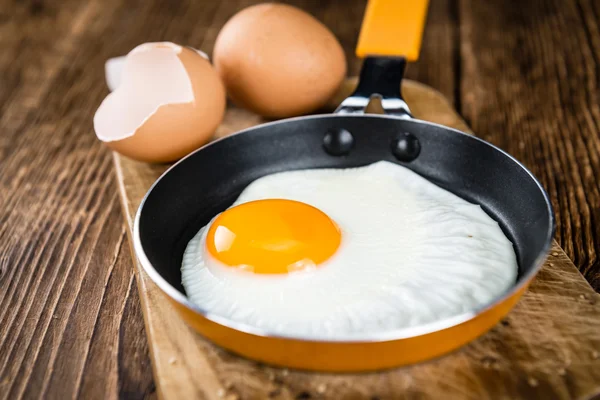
column 150, row 76
column 114, row 72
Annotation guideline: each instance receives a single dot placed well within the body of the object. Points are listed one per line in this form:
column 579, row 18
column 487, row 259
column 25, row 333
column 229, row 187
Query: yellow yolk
column 273, row 236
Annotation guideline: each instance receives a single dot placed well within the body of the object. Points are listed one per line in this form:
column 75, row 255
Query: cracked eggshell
column 167, row 101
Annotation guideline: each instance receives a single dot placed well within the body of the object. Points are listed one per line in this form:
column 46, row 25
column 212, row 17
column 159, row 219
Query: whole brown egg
column 278, row 60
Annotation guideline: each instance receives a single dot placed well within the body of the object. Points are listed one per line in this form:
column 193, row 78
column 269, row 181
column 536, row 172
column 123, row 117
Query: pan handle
column 380, row 77
column 391, row 34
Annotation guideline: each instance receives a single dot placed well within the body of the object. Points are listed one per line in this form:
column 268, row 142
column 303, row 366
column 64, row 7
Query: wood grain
column 548, row 347
column 65, row 274
column 525, row 76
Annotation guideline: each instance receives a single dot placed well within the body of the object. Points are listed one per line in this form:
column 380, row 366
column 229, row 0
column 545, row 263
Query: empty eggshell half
column 114, row 69
column 167, row 101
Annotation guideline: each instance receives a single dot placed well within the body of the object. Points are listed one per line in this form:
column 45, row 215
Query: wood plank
column 530, row 83
column 440, row 59
column 548, row 347
column 65, row 276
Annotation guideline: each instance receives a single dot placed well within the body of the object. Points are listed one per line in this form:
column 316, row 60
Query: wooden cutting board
column 548, row 347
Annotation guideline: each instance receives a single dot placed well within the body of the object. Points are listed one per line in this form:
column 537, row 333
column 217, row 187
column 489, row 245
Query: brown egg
column 278, row 61
column 157, row 117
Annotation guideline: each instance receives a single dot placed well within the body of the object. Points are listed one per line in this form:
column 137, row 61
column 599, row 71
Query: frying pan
column 206, row 182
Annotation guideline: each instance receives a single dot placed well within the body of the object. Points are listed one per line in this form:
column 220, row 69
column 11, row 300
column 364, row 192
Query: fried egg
column 343, row 253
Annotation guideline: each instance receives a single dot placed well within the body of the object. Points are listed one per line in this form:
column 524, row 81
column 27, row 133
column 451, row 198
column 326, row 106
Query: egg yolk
column 273, row 236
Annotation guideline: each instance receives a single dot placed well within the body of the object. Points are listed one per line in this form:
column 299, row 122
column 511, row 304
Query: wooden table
column 524, row 77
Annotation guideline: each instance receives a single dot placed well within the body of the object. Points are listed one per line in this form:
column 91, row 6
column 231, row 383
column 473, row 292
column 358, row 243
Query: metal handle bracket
column 380, row 77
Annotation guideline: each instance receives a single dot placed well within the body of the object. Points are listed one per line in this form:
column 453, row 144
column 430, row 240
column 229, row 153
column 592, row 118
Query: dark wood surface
column 525, row 77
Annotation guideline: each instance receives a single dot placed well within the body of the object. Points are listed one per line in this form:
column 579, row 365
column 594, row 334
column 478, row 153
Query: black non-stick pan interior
column 208, row 181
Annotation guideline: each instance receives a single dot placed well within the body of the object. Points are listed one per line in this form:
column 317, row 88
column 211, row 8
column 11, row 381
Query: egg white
column 411, row 253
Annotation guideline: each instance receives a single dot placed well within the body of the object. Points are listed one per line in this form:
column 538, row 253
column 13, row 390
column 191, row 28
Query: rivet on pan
column 338, row 142
column 406, row 147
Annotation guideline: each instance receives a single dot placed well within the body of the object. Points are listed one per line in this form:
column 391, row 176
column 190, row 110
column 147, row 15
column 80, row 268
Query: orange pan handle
column 392, row 28
column 390, row 35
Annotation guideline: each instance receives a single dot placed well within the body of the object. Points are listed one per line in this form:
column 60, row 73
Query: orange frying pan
column 182, row 201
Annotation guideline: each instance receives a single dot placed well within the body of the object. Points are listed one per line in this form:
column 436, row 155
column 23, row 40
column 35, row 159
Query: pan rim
column 384, row 336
